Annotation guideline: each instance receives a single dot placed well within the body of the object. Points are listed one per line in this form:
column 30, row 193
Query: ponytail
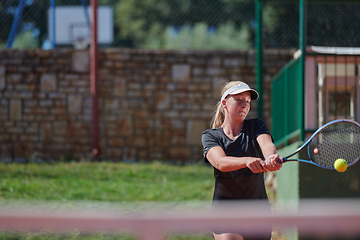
column 219, row 116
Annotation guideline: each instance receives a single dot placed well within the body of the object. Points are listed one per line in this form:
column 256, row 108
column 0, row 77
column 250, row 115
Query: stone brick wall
column 153, row 105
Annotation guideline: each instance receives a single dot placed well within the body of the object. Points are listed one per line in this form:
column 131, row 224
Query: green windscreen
column 286, row 97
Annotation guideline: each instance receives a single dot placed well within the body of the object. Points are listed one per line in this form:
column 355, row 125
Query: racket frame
column 307, row 144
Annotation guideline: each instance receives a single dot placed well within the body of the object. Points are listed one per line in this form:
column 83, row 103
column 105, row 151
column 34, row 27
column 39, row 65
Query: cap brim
column 254, row 94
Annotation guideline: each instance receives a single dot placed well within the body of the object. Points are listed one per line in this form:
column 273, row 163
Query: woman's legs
column 227, row 236
column 234, row 236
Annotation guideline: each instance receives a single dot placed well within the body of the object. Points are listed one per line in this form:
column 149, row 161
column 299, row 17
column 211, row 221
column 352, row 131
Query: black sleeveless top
column 242, row 183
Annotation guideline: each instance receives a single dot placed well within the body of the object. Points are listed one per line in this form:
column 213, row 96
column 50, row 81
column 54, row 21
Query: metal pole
column 53, row 42
column 302, row 46
column 83, row 2
column 15, row 25
column 93, row 78
column 259, row 56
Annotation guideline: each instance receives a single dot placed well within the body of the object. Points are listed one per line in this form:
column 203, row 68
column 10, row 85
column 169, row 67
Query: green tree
column 199, row 37
column 147, row 22
column 25, row 40
column 328, row 24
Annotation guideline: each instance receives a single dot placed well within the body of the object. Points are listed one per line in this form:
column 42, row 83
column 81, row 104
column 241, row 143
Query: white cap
column 239, row 88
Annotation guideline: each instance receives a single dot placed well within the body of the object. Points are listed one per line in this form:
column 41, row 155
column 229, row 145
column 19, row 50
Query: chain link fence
column 191, row 24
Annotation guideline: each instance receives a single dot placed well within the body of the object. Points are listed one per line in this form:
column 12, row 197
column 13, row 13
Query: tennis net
column 315, row 219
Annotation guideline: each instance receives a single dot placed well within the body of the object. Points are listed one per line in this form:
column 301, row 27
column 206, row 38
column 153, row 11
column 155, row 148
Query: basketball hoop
column 71, row 22
column 81, row 42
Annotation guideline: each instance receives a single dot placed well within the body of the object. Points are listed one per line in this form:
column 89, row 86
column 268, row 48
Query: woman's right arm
column 223, row 163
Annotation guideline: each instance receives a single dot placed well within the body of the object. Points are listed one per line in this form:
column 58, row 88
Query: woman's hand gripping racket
column 334, row 140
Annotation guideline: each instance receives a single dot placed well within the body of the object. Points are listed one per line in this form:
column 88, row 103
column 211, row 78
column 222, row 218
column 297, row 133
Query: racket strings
column 340, row 140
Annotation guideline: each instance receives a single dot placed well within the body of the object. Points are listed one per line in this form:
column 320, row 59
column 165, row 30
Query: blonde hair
column 219, row 115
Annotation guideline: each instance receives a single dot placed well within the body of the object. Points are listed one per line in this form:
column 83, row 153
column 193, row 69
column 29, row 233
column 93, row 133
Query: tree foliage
column 25, row 40
column 148, row 22
column 199, row 37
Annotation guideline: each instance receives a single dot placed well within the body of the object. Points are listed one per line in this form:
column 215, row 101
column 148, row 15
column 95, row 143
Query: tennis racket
column 336, row 139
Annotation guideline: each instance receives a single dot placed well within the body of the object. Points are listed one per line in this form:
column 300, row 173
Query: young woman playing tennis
column 237, row 149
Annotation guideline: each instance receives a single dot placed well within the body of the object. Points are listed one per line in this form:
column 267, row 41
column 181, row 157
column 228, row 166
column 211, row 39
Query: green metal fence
column 287, row 103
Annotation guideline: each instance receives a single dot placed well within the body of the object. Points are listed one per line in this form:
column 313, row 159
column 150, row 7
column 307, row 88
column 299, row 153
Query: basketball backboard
column 71, row 24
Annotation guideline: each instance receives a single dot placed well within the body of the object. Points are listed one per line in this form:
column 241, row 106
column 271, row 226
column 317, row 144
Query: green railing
column 287, row 103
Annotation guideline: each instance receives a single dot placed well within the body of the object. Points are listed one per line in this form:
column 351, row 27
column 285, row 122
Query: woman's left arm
column 269, row 151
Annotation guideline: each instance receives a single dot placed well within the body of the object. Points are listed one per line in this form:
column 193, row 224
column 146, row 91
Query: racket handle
column 280, row 160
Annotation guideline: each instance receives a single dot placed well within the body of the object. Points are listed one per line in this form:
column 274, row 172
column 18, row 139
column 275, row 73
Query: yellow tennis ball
column 340, row 165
